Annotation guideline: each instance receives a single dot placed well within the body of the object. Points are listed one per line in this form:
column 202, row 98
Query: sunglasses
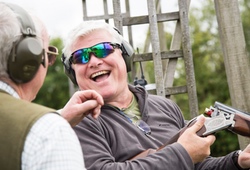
column 144, row 127
column 52, row 53
column 101, row 50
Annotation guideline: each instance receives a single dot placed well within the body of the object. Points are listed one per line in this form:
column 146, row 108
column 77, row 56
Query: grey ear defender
column 127, row 52
column 68, row 69
column 27, row 54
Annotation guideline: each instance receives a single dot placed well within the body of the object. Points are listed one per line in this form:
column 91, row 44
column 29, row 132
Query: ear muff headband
column 127, row 52
column 26, row 55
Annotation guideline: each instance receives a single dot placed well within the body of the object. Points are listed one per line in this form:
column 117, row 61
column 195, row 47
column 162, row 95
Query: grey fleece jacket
column 110, row 141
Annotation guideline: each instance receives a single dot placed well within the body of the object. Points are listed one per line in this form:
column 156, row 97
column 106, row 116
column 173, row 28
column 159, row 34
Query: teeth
column 98, row 74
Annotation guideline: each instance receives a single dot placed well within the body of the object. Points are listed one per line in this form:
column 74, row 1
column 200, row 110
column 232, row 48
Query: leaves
column 55, row 90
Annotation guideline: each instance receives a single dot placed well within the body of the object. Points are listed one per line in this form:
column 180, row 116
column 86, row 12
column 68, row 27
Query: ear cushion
column 127, row 52
column 68, row 70
column 25, row 60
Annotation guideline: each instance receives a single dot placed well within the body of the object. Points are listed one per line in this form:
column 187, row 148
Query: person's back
column 47, row 141
column 43, row 142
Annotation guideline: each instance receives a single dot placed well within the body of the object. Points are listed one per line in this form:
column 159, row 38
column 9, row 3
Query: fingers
column 90, row 107
column 197, row 147
column 247, row 148
column 198, row 124
column 244, row 158
column 96, row 112
column 81, row 104
column 90, row 94
column 210, row 139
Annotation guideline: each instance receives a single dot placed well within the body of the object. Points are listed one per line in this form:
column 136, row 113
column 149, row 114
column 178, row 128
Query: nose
column 94, row 61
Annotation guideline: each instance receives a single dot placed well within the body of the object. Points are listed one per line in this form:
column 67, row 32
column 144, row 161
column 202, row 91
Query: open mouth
column 100, row 76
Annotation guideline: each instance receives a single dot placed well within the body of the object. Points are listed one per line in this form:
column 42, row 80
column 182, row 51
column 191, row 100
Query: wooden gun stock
column 241, row 126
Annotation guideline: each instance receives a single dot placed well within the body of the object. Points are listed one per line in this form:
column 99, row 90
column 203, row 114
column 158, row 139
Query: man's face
column 108, row 76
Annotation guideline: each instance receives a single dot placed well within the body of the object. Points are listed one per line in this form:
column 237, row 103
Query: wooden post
column 155, row 42
column 188, row 59
column 235, row 55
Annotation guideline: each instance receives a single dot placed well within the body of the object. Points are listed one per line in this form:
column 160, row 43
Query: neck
column 122, row 101
column 20, row 89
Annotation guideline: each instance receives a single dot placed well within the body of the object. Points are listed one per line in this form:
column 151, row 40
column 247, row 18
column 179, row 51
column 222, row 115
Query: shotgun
column 219, row 117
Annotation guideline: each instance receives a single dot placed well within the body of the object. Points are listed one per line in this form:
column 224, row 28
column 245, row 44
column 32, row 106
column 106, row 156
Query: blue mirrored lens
column 100, row 50
column 80, row 56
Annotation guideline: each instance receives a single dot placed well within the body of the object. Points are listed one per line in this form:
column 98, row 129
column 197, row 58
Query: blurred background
column 211, row 82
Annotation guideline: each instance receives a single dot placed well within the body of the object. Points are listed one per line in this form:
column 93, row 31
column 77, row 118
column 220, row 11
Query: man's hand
column 197, row 147
column 244, row 158
column 81, row 104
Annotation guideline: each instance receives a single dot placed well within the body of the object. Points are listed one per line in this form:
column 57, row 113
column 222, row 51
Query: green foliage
column 245, row 15
column 225, row 143
column 55, row 90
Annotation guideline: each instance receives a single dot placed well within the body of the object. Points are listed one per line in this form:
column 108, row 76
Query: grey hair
column 10, row 33
column 84, row 29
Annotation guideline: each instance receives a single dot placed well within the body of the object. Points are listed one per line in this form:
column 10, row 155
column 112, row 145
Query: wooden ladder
column 165, row 61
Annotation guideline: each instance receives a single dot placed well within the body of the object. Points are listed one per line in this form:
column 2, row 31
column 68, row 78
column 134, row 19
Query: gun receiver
column 241, row 120
column 220, row 117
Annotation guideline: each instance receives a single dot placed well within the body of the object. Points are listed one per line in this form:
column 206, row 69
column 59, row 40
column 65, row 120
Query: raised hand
column 244, row 158
column 81, row 104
